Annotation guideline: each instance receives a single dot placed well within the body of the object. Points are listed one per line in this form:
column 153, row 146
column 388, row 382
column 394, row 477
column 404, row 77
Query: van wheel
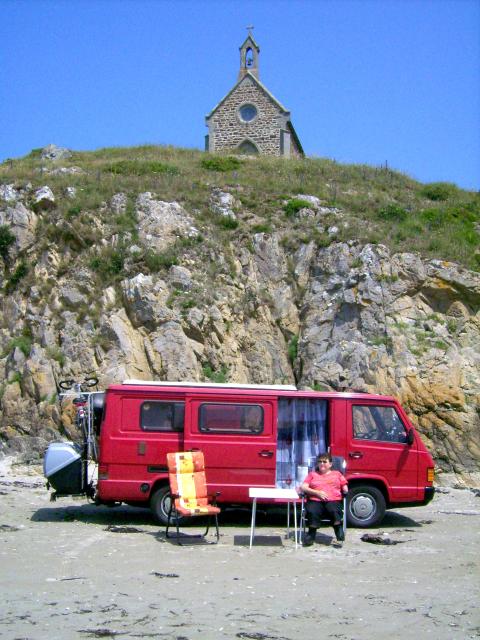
column 365, row 506
column 160, row 505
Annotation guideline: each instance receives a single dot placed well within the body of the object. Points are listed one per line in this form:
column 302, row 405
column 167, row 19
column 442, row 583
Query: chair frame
column 175, row 513
column 174, row 517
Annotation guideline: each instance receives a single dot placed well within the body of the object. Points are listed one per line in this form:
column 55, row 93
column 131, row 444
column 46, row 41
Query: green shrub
column 156, row 261
column 227, row 222
column 109, row 263
column 322, row 240
column 56, row 354
column 387, row 277
column 140, row 168
column 378, row 341
column 6, row 240
column 393, row 213
column 452, row 325
column 73, row 212
column 19, row 273
column 433, row 218
column 293, row 349
column 319, row 386
column 294, row 205
column 215, row 376
column 189, row 303
column 221, row 163
column 439, row 190
column 261, row 228
column 23, row 342
column 35, row 153
column 16, row 377
column 126, row 222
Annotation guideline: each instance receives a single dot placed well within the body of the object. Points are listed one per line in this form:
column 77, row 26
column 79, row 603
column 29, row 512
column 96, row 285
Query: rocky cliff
column 141, row 286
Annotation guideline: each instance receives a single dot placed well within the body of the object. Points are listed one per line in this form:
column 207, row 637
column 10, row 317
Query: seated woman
column 324, row 489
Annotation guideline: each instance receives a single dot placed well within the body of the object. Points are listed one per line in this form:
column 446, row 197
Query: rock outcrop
column 344, row 316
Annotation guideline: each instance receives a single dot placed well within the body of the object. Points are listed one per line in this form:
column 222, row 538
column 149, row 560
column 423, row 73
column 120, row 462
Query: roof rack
column 220, row 385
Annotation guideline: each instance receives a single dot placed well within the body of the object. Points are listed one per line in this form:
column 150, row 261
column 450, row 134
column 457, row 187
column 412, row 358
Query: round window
column 248, row 112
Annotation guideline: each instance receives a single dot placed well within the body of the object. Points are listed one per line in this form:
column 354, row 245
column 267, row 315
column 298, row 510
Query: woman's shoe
column 308, row 541
column 339, row 533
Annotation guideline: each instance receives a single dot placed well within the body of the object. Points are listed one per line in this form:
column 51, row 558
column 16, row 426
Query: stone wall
column 294, row 150
column 227, row 131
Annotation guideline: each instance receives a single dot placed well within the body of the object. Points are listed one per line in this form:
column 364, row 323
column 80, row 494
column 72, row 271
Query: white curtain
column 301, row 437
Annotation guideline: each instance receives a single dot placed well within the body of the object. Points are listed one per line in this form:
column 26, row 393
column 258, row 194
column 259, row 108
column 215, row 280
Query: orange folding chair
column 188, row 488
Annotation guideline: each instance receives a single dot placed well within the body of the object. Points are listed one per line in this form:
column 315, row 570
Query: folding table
column 278, row 495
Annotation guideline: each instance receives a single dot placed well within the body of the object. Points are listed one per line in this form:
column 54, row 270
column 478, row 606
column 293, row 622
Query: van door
column 238, row 441
column 377, row 447
column 142, row 429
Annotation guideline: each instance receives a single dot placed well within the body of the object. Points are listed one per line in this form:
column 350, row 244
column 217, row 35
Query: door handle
column 265, row 454
column 355, row 454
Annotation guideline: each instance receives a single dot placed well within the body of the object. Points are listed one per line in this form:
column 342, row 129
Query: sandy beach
column 70, row 569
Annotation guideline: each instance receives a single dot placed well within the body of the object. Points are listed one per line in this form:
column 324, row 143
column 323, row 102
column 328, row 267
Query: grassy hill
column 376, row 205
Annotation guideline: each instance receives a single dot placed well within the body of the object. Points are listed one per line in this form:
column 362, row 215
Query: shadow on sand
column 127, row 519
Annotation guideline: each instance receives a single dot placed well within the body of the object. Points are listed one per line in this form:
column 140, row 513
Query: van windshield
column 302, row 435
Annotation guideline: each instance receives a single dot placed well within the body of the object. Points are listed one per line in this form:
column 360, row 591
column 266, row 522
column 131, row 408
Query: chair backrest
column 186, row 473
column 339, row 464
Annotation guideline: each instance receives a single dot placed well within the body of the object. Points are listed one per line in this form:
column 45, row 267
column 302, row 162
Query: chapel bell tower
column 249, row 57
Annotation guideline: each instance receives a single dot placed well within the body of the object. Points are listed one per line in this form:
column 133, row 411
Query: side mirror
column 410, row 437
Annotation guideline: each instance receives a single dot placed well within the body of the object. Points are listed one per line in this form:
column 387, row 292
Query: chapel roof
column 259, row 84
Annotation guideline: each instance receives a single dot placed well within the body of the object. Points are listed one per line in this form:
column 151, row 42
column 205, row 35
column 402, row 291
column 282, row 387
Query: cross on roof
column 250, row 27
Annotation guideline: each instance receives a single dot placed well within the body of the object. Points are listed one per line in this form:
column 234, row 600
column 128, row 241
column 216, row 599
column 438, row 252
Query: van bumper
column 428, row 496
column 429, row 492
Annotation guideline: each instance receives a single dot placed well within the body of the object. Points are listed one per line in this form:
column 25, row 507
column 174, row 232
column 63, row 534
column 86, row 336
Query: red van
column 255, row 435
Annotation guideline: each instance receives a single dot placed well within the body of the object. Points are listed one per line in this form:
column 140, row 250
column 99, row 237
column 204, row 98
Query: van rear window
column 162, row 416
column 231, row 418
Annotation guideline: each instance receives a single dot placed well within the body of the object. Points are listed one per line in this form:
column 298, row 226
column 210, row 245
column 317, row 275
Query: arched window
column 248, row 148
column 249, row 57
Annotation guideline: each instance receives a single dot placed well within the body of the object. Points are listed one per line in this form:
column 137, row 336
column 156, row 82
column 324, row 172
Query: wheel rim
column 165, row 504
column 363, row 506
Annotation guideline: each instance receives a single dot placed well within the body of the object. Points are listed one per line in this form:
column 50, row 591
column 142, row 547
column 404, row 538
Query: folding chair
column 188, row 488
column 338, row 464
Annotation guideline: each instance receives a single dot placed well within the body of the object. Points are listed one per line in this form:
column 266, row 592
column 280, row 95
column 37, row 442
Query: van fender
column 367, row 501
column 372, row 480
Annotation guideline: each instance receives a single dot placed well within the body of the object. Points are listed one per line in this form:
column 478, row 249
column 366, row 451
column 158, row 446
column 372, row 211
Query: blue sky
column 367, row 81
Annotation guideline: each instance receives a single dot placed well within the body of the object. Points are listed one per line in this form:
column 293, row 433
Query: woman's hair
column 323, row 456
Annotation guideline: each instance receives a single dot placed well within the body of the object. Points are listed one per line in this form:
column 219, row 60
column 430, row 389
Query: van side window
column 382, row 423
column 162, row 416
column 231, row 418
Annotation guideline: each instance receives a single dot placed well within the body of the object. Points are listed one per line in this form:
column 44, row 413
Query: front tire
column 365, row 506
column 160, row 505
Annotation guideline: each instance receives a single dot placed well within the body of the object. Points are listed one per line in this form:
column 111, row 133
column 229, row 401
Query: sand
column 74, row 570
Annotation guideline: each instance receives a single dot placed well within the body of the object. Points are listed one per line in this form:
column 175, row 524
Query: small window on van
column 162, row 416
column 371, row 422
column 231, row 418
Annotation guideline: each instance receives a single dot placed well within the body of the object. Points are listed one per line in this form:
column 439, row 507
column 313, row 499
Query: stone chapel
column 249, row 119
